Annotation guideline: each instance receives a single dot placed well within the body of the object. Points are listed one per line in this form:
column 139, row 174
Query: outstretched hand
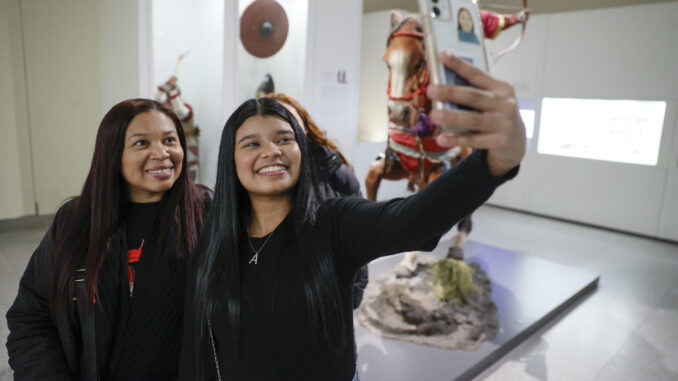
column 498, row 127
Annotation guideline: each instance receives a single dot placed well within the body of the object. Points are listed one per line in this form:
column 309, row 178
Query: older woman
column 102, row 295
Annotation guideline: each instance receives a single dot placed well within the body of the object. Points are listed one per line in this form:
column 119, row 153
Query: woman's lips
column 272, row 170
column 161, row 173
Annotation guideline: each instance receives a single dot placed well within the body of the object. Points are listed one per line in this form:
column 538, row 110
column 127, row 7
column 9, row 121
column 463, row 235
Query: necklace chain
column 255, row 258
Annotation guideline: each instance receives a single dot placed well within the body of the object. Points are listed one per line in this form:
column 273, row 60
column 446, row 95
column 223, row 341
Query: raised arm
column 34, row 346
column 364, row 230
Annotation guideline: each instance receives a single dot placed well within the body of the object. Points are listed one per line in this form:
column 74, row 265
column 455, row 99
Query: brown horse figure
column 412, row 151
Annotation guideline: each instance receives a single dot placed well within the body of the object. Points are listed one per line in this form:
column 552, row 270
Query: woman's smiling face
column 152, row 157
column 267, row 156
column 465, row 20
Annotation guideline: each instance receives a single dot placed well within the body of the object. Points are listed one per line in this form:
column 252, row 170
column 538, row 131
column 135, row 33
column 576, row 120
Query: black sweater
column 276, row 342
column 136, row 339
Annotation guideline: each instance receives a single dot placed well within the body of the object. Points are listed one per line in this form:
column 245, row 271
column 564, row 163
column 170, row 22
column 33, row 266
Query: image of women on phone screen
column 465, row 27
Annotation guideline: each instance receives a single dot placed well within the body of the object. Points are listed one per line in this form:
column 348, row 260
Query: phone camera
column 436, row 11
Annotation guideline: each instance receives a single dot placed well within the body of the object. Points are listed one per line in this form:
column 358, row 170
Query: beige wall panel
column 11, row 198
column 62, row 71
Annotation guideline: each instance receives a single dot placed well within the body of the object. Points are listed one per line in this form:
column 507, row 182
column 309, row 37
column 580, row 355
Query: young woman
column 102, row 296
column 335, row 177
column 270, row 298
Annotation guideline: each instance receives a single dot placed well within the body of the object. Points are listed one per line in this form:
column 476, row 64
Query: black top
column 139, row 219
column 335, row 179
column 139, row 334
column 275, row 339
column 42, row 346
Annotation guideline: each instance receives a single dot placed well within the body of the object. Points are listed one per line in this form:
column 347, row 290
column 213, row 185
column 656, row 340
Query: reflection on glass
column 612, row 130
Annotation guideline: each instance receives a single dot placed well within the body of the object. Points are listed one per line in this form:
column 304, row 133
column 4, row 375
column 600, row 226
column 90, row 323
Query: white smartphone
column 454, row 26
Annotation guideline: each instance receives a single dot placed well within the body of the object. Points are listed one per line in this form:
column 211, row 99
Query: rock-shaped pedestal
column 404, row 307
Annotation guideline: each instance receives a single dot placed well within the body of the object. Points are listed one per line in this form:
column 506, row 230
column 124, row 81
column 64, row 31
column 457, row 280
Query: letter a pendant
column 254, row 259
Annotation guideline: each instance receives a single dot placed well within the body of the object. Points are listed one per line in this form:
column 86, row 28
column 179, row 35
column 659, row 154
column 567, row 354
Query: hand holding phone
column 497, row 127
column 454, row 26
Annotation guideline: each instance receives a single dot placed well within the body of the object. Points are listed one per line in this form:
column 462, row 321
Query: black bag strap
column 90, row 370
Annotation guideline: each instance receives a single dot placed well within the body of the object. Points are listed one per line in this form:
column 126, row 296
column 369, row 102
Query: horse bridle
column 421, row 90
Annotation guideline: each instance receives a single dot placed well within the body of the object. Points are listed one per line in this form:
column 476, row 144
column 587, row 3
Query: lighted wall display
column 624, row 131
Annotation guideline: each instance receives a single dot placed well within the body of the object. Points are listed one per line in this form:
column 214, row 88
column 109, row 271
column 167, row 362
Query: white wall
column 196, row 27
column 334, row 45
column 121, row 50
column 622, row 53
column 65, row 63
column 62, row 80
column 286, row 66
column 11, row 195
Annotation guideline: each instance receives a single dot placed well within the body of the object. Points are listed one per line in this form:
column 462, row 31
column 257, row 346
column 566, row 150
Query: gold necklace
column 255, row 258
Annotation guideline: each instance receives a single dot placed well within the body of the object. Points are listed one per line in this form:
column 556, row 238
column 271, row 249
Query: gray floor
column 626, row 330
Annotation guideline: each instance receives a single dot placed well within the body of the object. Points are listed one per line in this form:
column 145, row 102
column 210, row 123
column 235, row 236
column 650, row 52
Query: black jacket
column 64, row 347
column 336, row 179
column 40, row 347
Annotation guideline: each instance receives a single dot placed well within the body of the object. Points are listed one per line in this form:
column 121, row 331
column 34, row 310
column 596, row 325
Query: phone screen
column 454, row 79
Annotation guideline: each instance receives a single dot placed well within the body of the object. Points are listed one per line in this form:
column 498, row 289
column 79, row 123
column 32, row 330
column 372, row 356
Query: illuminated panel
column 527, row 114
column 528, row 119
column 611, row 130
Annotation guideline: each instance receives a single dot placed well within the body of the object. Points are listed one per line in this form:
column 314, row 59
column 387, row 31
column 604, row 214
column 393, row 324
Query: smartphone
column 454, row 26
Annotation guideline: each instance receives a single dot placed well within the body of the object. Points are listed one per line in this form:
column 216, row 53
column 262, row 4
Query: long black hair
column 217, row 250
column 84, row 239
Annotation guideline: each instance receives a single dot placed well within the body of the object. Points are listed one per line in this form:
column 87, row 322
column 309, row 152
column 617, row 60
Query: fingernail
column 447, row 54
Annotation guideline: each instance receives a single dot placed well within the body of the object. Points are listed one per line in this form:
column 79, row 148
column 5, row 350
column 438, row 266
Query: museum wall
column 621, row 53
column 196, row 27
column 122, row 50
column 64, row 64
column 63, row 86
column 333, row 46
column 11, row 193
column 287, row 66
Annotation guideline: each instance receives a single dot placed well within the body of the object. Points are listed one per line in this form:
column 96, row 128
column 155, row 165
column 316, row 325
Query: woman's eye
column 171, row 139
column 140, row 143
column 251, row 145
column 286, row 140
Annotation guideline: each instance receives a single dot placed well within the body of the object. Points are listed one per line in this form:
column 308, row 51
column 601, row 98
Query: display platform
column 529, row 292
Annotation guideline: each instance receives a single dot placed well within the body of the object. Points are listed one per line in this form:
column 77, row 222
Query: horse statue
column 411, row 151
column 444, row 303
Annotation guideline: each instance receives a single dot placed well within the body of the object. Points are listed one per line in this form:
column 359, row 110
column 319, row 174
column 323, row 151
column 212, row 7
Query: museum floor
column 626, row 330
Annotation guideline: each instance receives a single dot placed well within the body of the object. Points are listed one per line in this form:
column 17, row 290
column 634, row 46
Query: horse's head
column 408, row 73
